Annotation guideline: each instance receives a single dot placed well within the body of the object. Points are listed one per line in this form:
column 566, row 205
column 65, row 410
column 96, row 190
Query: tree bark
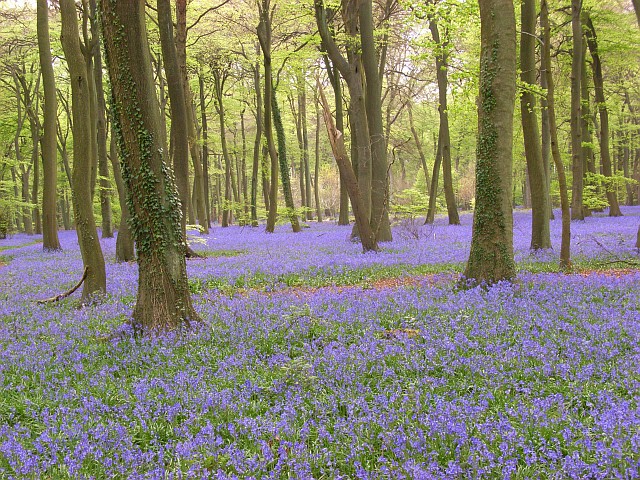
column 92, row 258
column 444, row 142
column 256, row 146
column 577, row 211
column 181, row 50
column 565, row 246
column 598, row 82
column 367, row 236
column 316, row 173
column 416, row 139
column 163, row 302
column 124, row 241
column 491, row 255
column 379, row 165
column 50, row 241
column 205, row 149
column 538, row 188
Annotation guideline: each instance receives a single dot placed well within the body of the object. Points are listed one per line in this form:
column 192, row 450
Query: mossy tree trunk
column 50, row 241
column 96, row 282
column 540, row 232
column 163, row 302
column 491, row 255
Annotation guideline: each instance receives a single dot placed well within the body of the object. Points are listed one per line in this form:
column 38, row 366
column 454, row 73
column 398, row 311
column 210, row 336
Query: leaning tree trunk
column 256, row 147
column 577, row 211
column 598, row 82
column 491, row 255
column 540, row 232
column 565, row 246
column 50, row 239
column 96, row 281
column 164, row 301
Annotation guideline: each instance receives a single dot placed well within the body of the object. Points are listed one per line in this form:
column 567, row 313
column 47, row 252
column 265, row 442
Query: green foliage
column 597, row 185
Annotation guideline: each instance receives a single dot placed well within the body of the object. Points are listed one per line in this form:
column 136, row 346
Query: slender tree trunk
column 242, row 179
column 416, row 139
column 546, row 139
column 205, row 149
column 101, row 130
column 565, row 247
column 164, row 301
column 433, row 191
column 181, row 50
column 124, row 241
column 316, row 173
column 442, row 65
column 50, row 241
column 598, row 81
column 256, row 146
column 35, row 159
column 305, row 145
column 219, row 78
column 264, row 36
column 491, row 255
column 540, row 232
column 96, row 282
column 577, row 211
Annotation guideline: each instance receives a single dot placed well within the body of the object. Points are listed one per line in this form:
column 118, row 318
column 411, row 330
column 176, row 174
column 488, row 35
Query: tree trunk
column 491, row 255
column 577, row 211
column 416, row 139
column 367, row 236
column 264, row 36
column 433, row 191
column 565, row 246
column 219, row 78
column 538, row 188
column 96, row 282
column 379, row 165
column 284, row 164
column 444, row 142
column 101, row 130
column 50, row 241
column 256, row 146
column 124, row 241
column 598, row 82
column 181, row 50
column 164, row 301
column 205, row 149
column 35, row 160
column 316, row 173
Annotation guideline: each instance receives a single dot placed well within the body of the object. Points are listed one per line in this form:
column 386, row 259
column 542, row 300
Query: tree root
column 68, row 292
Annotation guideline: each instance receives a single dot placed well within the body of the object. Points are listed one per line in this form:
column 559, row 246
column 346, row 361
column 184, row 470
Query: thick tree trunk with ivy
column 540, row 232
column 577, row 168
column 194, row 147
column 491, row 255
column 379, row 165
column 164, row 301
column 124, row 241
column 92, row 258
column 565, row 245
column 50, row 241
column 598, row 82
column 444, row 141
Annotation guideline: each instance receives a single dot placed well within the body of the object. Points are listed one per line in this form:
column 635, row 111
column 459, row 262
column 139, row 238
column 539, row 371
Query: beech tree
column 164, row 301
column 491, row 255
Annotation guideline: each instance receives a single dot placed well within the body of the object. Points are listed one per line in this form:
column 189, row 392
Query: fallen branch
column 68, row 292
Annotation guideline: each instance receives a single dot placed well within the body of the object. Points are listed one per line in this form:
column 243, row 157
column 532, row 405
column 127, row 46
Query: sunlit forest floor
column 317, row 361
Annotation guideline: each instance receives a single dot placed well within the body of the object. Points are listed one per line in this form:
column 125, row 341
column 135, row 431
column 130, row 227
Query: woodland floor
column 318, row 361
